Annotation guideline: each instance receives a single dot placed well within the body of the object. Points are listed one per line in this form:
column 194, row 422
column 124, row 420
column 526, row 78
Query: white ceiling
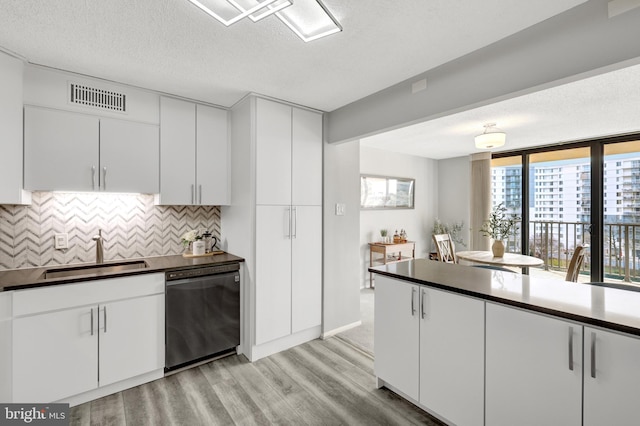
column 604, row 105
column 173, row 47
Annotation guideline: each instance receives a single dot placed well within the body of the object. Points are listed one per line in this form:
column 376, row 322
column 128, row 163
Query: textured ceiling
column 604, row 105
column 173, row 47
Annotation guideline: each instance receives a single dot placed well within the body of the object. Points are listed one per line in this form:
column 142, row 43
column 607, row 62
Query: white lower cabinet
column 429, row 345
column 533, row 369
column 452, row 356
column 131, row 338
column 396, row 330
column 54, row 355
column 611, row 378
column 61, row 351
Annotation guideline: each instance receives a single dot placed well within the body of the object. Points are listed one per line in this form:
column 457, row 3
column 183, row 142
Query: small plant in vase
column 188, row 238
column 499, row 227
column 383, row 234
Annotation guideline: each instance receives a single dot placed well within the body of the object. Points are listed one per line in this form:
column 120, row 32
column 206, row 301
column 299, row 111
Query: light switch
column 340, row 207
column 61, row 241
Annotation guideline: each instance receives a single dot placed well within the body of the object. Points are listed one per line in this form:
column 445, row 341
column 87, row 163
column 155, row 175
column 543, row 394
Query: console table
column 391, row 253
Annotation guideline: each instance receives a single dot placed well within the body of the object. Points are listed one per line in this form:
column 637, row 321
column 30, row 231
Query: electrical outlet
column 61, row 241
column 340, row 207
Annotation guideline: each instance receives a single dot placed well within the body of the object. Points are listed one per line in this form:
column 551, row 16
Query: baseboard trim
column 331, row 333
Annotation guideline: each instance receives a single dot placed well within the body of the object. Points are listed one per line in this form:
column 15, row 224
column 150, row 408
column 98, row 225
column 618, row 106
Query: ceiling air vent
column 98, row 98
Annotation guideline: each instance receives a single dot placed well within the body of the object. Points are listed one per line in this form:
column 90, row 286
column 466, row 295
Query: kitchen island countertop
column 16, row 279
column 611, row 308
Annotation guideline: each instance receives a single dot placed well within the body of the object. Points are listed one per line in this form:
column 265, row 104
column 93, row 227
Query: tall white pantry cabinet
column 275, row 222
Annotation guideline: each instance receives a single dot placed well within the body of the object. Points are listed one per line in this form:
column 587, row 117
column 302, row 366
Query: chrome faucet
column 99, row 247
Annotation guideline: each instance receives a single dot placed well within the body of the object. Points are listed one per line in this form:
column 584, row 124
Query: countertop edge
column 590, row 321
column 28, row 278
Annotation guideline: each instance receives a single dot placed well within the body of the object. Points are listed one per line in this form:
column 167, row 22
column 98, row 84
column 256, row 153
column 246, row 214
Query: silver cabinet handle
column 93, row 177
column 413, row 308
column 295, row 222
column 199, row 194
column 105, row 318
column 593, row 355
column 104, row 178
column 193, row 196
column 92, row 321
column 422, row 313
column 571, row 348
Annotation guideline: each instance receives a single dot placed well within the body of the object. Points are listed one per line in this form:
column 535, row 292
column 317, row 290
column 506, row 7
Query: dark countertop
column 15, row 279
column 601, row 306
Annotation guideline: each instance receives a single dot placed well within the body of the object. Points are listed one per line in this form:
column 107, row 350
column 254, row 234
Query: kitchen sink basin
column 96, row 269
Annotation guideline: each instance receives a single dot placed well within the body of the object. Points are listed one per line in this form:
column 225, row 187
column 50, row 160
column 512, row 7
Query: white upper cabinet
column 289, row 155
column 273, row 153
column 307, row 158
column 194, row 154
column 129, row 157
column 68, row 151
column 212, row 155
column 61, row 150
column 177, row 151
column 11, row 190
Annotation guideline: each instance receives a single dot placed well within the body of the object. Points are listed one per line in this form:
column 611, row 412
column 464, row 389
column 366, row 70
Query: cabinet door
column 531, row 378
column 129, row 157
column 177, row 152
column 273, row 153
column 60, row 150
column 306, row 267
column 131, row 338
column 306, row 158
column 212, row 156
column 55, row 355
column 11, row 160
column 396, row 333
column 452, row 356
column 610, row 398
column 273, row 273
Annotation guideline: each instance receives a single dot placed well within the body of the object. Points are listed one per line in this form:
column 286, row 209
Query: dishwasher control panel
column 201, row 271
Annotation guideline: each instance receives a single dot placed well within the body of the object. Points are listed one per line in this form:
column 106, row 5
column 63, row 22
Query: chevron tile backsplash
column 132, row 226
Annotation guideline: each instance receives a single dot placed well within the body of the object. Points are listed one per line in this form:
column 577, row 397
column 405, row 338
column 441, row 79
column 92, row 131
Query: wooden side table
column 391, row 253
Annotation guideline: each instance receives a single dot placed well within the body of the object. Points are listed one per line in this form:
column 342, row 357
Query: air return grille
column 99, row 98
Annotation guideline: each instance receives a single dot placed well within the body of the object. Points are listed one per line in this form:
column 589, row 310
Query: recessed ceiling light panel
column 309, row 19
column 229, row 12
column 269, row 10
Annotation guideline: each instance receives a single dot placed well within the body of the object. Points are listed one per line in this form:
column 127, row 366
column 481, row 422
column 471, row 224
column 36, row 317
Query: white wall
column 341, row 292
column 454, row 196
column 416, row 222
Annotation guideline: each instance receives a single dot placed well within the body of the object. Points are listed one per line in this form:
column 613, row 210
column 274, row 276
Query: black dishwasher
column 202, row 314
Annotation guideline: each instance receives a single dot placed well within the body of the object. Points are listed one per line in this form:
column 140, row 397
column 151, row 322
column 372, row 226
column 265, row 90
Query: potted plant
column 499, row 227
column 383, row 234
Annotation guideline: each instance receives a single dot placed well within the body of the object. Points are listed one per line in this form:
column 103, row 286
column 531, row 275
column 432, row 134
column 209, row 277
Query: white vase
column 498, row 248
column 198, row 247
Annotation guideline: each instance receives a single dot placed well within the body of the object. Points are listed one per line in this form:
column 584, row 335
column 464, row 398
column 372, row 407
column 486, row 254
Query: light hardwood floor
column 319, row 383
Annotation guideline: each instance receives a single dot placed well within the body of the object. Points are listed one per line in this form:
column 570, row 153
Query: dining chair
column 575, row 264
column 445, row 248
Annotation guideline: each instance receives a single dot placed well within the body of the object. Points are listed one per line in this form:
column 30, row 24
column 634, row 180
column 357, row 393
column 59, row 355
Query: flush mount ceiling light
column 229, row 12
column 492, row 137
column 308, row 19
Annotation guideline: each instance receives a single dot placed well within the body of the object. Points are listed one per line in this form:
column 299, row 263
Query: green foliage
column 500, row 224
column 454, row 230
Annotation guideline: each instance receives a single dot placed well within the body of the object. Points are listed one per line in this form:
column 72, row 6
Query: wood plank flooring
column 319, row 383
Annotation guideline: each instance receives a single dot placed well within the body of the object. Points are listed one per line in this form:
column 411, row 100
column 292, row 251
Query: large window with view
column 581, row 195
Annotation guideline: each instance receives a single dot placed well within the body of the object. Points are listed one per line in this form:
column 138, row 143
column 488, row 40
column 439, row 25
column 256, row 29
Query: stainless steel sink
column 101, row 269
